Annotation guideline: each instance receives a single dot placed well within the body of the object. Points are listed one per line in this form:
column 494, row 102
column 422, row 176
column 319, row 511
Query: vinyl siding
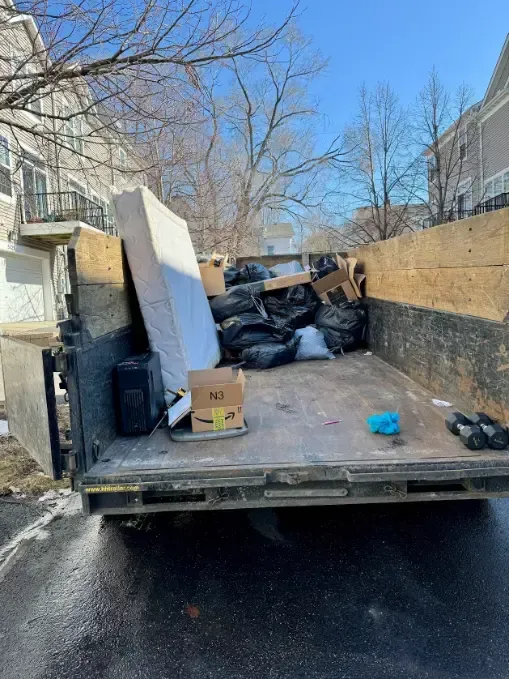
column 495, row 140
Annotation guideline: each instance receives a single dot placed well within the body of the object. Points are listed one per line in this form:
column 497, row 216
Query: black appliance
column 140, row 393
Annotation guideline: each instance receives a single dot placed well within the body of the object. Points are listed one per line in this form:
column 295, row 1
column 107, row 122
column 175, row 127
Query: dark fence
column 495, row 203
column 63, row 207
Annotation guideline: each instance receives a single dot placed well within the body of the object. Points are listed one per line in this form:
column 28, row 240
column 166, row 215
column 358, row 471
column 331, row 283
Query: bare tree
column 262, row 153
column 447, row 138
column 382, row 175
column 125, row 67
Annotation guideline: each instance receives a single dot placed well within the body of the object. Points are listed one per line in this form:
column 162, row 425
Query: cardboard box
column 329, row 282
column 287, row 281
column 334, row 280
column 217, row 398
column 212, row 278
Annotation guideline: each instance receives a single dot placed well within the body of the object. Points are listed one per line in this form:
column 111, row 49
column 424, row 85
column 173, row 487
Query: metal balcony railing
column 495, row 203
column 63, row 207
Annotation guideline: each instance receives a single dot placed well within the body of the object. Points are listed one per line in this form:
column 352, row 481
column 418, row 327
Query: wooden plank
column 476, row 242
column 95, row 258
column 476, row 291
column 287, row 281
column 30, row 400
column 101, row 308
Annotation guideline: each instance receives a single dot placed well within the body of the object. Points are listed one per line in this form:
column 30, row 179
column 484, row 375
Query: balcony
column 495, row 203
column 54, row 216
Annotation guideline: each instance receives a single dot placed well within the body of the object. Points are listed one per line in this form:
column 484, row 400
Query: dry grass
column 18, row 470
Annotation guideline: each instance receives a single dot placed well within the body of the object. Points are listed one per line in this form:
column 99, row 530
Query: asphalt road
column 350, row 592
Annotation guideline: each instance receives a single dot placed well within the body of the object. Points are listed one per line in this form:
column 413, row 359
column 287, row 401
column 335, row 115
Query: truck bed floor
column 285, row 409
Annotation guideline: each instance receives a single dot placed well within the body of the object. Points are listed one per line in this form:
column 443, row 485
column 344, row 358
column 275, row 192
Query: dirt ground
column 19, row 471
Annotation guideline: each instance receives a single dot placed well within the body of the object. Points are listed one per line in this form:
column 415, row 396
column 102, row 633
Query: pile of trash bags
column 264, row 329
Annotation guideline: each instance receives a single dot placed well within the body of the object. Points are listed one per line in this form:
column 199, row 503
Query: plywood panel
column 476, row 242
column 95, row 258
column 476, row 291
column 101, row 308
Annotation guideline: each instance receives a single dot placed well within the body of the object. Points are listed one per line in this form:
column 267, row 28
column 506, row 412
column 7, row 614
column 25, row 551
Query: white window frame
column 43, row 170
column 122, row 163
column 105, row 203
column 73, row 129
column 4, row 197
column 85, row 190
column 36, row 117
column 465, row 189
column 491, row 180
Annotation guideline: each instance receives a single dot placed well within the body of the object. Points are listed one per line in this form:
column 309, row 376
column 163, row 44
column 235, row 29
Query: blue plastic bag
column 386, row 423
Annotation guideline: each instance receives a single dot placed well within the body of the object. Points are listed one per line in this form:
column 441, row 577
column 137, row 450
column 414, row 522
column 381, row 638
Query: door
column 22, row 290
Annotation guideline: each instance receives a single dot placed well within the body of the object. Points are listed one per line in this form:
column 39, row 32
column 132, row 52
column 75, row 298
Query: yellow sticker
column 112, row 489
column 218, row 417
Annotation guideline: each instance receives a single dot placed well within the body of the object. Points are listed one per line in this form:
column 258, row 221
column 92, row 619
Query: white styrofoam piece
column 168, row 284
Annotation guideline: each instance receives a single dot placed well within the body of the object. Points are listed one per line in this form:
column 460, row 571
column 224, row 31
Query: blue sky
column 397, row 41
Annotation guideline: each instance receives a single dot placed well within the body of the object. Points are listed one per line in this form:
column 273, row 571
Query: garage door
column 21, row 290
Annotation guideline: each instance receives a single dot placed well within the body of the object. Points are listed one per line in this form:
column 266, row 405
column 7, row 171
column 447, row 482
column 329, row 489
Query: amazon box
column 217, row 399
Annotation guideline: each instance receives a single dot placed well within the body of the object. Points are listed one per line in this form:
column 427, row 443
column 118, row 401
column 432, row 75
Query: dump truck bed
column 289, row 444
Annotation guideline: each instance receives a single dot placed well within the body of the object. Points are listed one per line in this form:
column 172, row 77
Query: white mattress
column 167, row 278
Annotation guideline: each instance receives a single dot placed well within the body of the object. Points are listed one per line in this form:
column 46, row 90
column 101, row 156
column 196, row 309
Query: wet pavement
column 349, row 592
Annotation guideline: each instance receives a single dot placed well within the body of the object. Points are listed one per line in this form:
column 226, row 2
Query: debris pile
column 269, row 317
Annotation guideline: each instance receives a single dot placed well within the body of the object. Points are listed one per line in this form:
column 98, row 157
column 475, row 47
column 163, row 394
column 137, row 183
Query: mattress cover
column 168, row 285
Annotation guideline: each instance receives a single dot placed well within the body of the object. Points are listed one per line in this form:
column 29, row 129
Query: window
column 19, row 67
column 496, row 185
column 464, row 202
column 77, row 187
column 5, row 167
column 122, row 159
column 73, row 130
column 270, row 249
column 463, row 144
column 34, row 106
column 35, row 188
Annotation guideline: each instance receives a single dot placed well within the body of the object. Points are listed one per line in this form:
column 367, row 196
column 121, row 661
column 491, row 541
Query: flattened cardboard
column 359, row 279
column 329, row 282
column 347, row 288
column 287, row 281
column 352, row 263
column 217, row 419
column 212, row 278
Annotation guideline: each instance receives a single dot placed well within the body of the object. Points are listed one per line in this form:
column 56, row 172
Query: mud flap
column 30, row 401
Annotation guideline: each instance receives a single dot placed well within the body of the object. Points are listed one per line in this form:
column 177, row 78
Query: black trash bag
column 255, row 272
column 246, row 330
column 231, row 276
column 295, row 306
column 236, row 300
column 270, row 355
column 343, row 326
column 324, row 266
